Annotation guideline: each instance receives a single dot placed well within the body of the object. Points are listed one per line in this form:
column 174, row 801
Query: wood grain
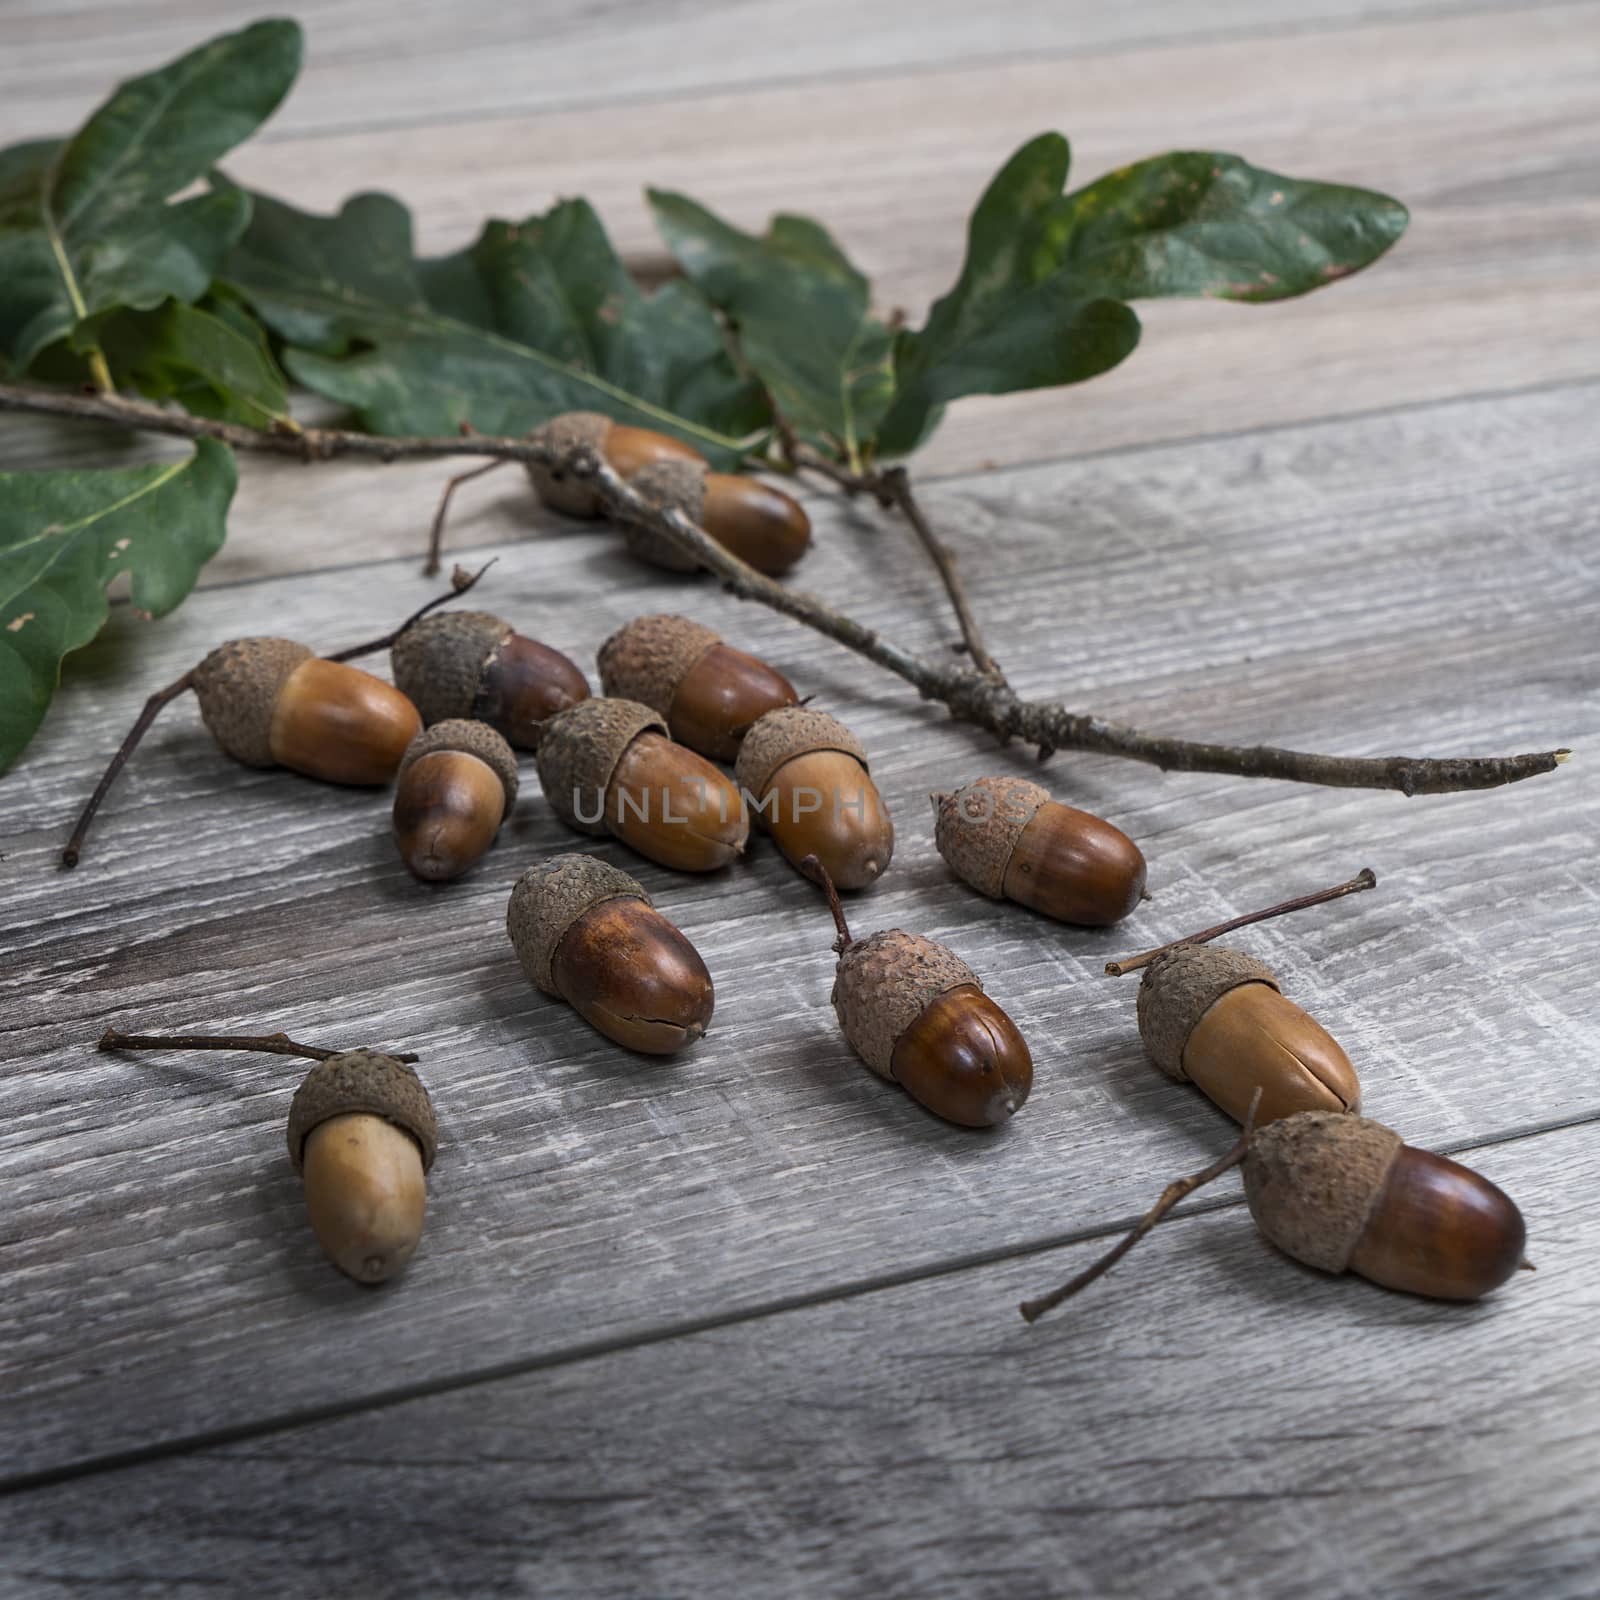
column 1394, row 583
column 1210, row 1421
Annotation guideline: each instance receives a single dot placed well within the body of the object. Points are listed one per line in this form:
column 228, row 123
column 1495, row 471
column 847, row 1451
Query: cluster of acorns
column 639, row 764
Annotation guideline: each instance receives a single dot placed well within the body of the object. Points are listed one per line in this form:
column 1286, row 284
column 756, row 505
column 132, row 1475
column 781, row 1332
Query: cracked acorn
column 457, row 784
column 587, row 933
column 710, row 693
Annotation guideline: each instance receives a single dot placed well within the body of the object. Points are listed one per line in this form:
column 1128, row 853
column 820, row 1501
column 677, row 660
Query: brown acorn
column 1215, row 1017
column 916, row 1013
column 471, row 665
column 1346, row 1194
column 805, row 774
column 587, row 933
column 1010, row 840
column 607, row 766
column 709, row 692
column 626, row 450
column 457, row 784
column 362, row 1134
column 763, row 526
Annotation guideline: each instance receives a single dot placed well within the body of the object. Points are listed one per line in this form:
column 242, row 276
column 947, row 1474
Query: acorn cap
column 439, row 662
column 547, row 899
column 678, row 485
column 580, row 749
column 1178, row 989
column 1313, row 1181
column 362, row 1081
column 474, row 739
column 977, row 828
column 237, row 686
column 557, row 489
column 787, row 732
column 651, row 656
column 885, row 982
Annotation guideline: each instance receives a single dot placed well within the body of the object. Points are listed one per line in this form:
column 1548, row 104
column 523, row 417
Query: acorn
column 457, row 784
column 626, row 450
column 709, row 692
column 607, row 766
column 469, row 664
column 362, row 1134
column 1216, row 1018
column 806, row 775
column 761, row 525
column 916, row 1013
column 1011, row 841
column 587, row 933
column 1343, row 1193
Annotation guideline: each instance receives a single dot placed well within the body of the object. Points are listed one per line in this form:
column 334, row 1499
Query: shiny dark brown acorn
column 806, row 776
column 587, row 933
column 457, row 784
column 916, row 1013
column 710, row 693
column 625, row 449
column 761, row 525
column 469, row 664
column 1010, row 840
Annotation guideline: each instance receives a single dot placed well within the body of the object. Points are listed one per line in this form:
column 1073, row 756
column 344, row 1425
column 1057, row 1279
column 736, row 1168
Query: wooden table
column 745, row 1323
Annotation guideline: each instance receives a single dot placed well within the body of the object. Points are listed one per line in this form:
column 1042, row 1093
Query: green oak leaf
column 800, row 311
column 533, row 319
column 86, row 224
column 65, row 535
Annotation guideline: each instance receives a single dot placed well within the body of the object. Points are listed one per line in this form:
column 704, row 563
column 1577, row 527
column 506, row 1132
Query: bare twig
column 814, row 869
column 970, row 694
column 442, row 514
column 272, row 1044
column 1366, row 878
column 460, row 583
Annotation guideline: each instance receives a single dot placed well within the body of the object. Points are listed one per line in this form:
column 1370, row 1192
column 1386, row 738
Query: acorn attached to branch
column 763, row 526
column 626, row 450
column 806, row 776
column 709, row 692
column 587, row 933
column 1010, row 840
column 457, row 784
column 607, row 766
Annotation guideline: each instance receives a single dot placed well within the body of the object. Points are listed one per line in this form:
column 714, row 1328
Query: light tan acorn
column 763, row 526
column 710, row 693
column 587, row 933
column 457, row 784
column 1010, row 840
column 916, row 1013
column 806, row 777
column 607, row 766
column 470, row 664
column 362, row 1135
column 625, row 449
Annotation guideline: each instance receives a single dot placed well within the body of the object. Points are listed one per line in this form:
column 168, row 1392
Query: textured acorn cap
column 1180, row 987
column 237, row 686
column 439, row 662
column 679, row 485
column 580, row 749
column 547, row 899
column 784, row 733
column 1313, row 1181
column 884, row 983
column 977, row 828
column 560, row 490
column 474, row 739
column 362, row 1081
column 651, row 656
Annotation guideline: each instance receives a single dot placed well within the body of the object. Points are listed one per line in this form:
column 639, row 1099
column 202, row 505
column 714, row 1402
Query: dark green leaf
column 800, row 313
column 65, row 535
column 533, row 319
column 86, row 225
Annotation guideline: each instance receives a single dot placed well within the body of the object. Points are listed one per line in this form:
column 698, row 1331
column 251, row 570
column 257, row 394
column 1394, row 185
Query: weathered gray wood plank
column 1210, row 1421
column 1420, row 581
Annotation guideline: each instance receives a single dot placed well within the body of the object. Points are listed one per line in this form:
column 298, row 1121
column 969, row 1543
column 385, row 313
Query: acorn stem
column 1364, row 879
column 818, row 874
column 1032, row 1310
column 460, row 581
column 272, row 1044
column 442, row 515
column 152, row 709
